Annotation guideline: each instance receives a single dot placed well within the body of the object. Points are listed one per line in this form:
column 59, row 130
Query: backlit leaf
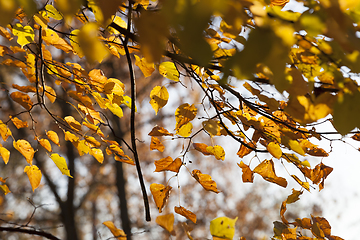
column 167, row 222
column 51, row 38
column 5, row 154
column 34, row 175
column 158, row 97
column 156, row 144
column 74, row 41
column 22, row 99
column 202, row 147
column 73, row 123
column 97, row 154
column 205, row 181
column 185, row 130
column 53, row 12
column 25, row 149
column 223, row 227
column 247, row 174
column 147, row 68
column 4, row 131
column 4, row 188
column 267, row 171
column 212, row 127
column 25, row 34
column 243, row 151
column 61, row 164
column 168, row 70
column 159, row 131
column 118, row 233
column 45, row 144
column 53, row 137
column 186, row 213
column 19, row 123
column 184, row 114
column 160, row 194
column 274, row 149
column 168, row 164
column 115, row 109
column 294, row 196
column 217, row 151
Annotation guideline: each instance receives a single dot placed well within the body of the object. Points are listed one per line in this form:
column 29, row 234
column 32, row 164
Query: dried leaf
column 118, row 233
column 19, row 123
column 25, row 149
column 61, row 164
column 212, row 127
column 248, row 175
column 158, row 98
column 293, row 197
column 167, row 222
column 201, row 147
column 267, row 171
column 156, row 144
column 22, row 99
column 217, row 151
column 186, row 213
column 184, row 114
column 168, row 164
column 282, row 212
column 305, row 185
column 4, row 131
column 159, row 131
column 160, row 194
column 5, row 188
column 243, row 151
column 205, row 181
column 34, row 175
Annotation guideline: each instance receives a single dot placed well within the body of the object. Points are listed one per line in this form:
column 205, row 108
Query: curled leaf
column 160, row 194
column 205, row 181
column 168, row 164
column 267, row 171
column 247, row 174
column 186, row 213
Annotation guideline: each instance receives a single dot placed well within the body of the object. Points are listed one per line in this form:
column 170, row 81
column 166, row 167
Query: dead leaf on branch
column 267, row 171
column 205, row 181
column 167, row 222
column 248, row 175
column 168, row 164
column 158, row 131
column 156, row 144
column 186, row 213
column 160, row 194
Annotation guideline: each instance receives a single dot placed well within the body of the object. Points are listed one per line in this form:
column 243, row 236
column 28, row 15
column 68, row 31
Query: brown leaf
column 168, row 164
column 282, row 212
column 201, row 147
column 118, row 233
column 323, row 225
column 184, row 114
column 294, row 196
column 160, row 194
column 304, row 223
column 167, row 222
column 267, row 171
column 156, row 144
column 186, row 213
column 248, row 175
column 159, row 131
column 243, row 151
column 22, row 99
column 205, row 181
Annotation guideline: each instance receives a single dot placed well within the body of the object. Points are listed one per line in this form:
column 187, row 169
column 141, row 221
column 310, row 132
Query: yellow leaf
column 186, row 213
column 5, row 154
column 184, row 114
column 5, row 188
column 53, row 12
column 4, row 131
column 205, row 181
column 51, row 38
column 91, row 114
column 295, row 146
column 158, row 97
column 25, row 149
column 53, row 137
column 120, row 22
column 114, row 86
column 185, row 129
column 267, row 171
column 74, row 41
column 25, row 34
column 247, row 174
column 167, row 222
column 97, row 154
column 274, row 149
column 82, row 147
column 160, row 194
column 168, row 164
column 34, row 175
column 217, row 151
column 169, row 70
column 41, row 19
column 46, row 144
column 115, row 109
column 156, row 144
column 294, row 196
column 22, row 99
column 118, row 233
column 223, row 227
column 50, row 94
column 19, row 123
column 73, row 123
column 147, row 68
column 305, row 185
column 61, row 164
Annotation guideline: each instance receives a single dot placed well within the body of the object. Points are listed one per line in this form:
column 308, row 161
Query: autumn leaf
column 147, row 68
column 22, row 99
column 4, row 131
column 267, row 171
column 53, row 137
column 156, row 144
column 167, row 222
column 4, row 188
column 45, row 144
column 61, row 164
column 212, row 127
column 223, row 227
column 5, row 154
column 97, row 154
column 169, row 70
column 186, row 213
column 294, row 196
column 184, row 114
column 274, row 149
column 158, row 98
column 19, row 123
column 205, row 181
column 160, row 194
column 247, row 174
column 168, row 164
column 185, row 130
column 34, row 175
column 217, row 151
column 53, row 12
column 73, row 123
column 243, row 151
column 25, row 149
column 118, row 233
column 25, row 34
column 51, row 38
column 201, row 147
column 305, row 185
column 282, row 213
column 158, row 131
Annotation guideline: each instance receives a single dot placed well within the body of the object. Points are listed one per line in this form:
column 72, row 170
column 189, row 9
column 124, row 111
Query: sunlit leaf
column 53, row 12
column 247, row 174
column 97, row 154
column 167, row 222
column 73, row 123
column 267, row 171
column 158, row 131
column 305, row 185
column 82, row 146
column 61, row 164
column 158, row 98
column 25, row 149
column 160, row 194
column 146, row 68
column 185, row 130
column 25, row 34
column 274, row 149
column 4, row 188
column 223, row 227
column 186, row 213
column 22, row 99
column 294, row 196
column 169, row 70
column 217, row 151
column 156, row 144
column 4, row 131
column 243, row 151
column 118, row 233
column 205, row 181
column 184, row 114
column 51, row 38
column 45, row 144
column 19, row 123
column 115, row 109
column 34, row 175
column 5, row 154
column 53, row 137
column 168, row 164
column 202, row 147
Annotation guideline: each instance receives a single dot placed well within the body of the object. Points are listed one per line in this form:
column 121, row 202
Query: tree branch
column 29, row 231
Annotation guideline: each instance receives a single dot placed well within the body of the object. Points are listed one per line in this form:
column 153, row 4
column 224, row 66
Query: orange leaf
column 304, row 223
column 294, row 196
column 22, row 99
column 247, row 175
column 267, row 171
column 156, row 144
column 97, row 154
column 91, row 114
column 34, row 175
column 45, row 144
column 186, row 213
column 217, row 151
column 201, row 147
column 73, row 123
column 168, row 164
column 5, row 189
column 53, row 137
column 25, row 89
column 159, row 131
column 70, row 137
column 4, row 131
column 50, row 37
column 147, row 68
column 160, row 194
column 25, row 149
column 5, row 154
column 50, row 94
column 305, row 185
column 167, row 222
column 278, row 2
column 184, row 114
column 19, row 123
column 243, row 151
column 118, row 233
column 282, row 212
column 205, row 181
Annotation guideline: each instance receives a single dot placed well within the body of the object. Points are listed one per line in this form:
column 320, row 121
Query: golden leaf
column 167, row 222
column 45, row 144
column 223, row 227
column 159, row 131
column 61, row 164
column 5, row 188
column 156, row 144
column 19, row 123
column 186, row 213
column 5, row 33
column 97, row 154
column 205, row 181
column 34, row 175
column 147, row 68
column 248, row 175
column 51, row 38
column 74, row 41
column 212, row 127
column 184, row 114
column 160, row 194
column 274, row 149
column 53, row 137
column 118, row 233
column 217, row 151
column 53, row 12
column 267, row 171
column 73, row 123
column 22, row 99
column 185, row 129
column 82, row 147
column 305, row 185
column 115, row 109
column 201, row 147
column 91, row 114
column 25, row 34
column 50, row 94
column 168, row 164
column 5, row 154
column 294, row 196
column 4, row 131
column 304, row 223
column 169, row 70
column 25, row 149
column 158, row 98
column 243, row 151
